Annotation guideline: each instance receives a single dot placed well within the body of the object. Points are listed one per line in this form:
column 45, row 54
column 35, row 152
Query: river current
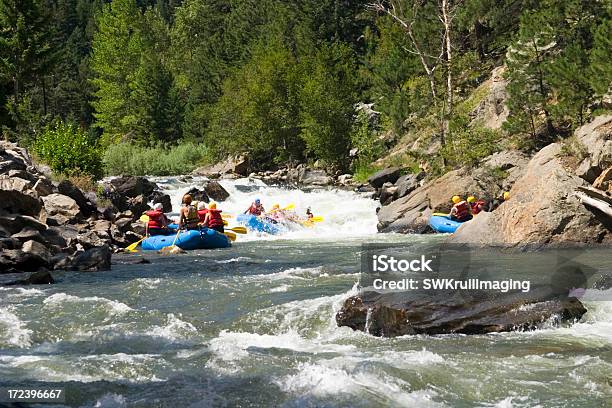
column 254, row 326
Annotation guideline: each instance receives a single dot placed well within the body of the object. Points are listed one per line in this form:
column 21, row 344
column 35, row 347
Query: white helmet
column 201, row 205
column 158, row 206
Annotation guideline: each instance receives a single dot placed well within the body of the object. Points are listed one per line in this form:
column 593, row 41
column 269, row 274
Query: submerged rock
column 398, row 314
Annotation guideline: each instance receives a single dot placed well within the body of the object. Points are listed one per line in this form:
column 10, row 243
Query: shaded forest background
column 158, row 87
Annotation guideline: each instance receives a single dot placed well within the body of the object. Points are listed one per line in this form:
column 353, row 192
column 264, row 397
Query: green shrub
column 468, row 144
column 69, row 150
column 125, row 158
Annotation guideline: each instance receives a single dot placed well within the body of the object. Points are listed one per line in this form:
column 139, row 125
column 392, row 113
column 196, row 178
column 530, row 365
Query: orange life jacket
column 156, row 219
column 214, row 219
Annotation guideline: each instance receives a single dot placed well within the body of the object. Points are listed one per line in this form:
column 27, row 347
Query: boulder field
column 48, row 225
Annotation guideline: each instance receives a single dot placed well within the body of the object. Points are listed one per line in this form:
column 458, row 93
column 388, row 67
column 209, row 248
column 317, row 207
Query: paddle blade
column 224, row 215
column 144, row 218
column 289, row 207
column 230, row 235
column 441, row 214
column 317, row 219
column 225, row 223
column 132, row 247
column 239, row 230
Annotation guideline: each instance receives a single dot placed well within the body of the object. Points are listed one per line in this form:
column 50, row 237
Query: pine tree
column 601, row 57
column 116, row 56
column 24, row 48
column 528, row 61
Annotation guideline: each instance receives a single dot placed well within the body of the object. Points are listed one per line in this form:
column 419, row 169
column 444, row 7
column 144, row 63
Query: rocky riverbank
column 48, row 225
column 559, row 197
column 300, row 176
column 547, row 205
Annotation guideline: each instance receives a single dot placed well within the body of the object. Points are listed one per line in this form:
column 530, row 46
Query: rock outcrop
column 444, row 312
column 47, row 225
column 543, row 209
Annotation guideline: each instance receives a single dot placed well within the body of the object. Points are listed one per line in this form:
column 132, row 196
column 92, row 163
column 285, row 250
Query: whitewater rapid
column 254, row 325
column 346, row 214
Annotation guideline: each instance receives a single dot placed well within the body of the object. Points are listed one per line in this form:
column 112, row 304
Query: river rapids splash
column 253, row 325
column 345, row 213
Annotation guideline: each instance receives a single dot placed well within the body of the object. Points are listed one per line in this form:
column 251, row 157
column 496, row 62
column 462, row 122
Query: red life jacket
column 461, row 210
column 254, row 209
column 202, row 214
column 156, row 219
column 214, row 219
column 477, row 206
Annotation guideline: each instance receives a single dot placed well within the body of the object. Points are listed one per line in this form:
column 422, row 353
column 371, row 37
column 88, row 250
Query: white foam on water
column 13, row 331
column 231, row 346
column 233, row 260
column 61, row 299
column 279, row 289
column 135, row 368
column 406, row 359
column 174, row 329
column 327, row 379
column 513, row 402
column 147, row 283
column 111, row 401
column 20, row 292
column 331, row 204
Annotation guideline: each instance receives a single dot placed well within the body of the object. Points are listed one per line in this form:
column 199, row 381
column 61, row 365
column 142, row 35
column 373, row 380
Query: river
column 254, row 326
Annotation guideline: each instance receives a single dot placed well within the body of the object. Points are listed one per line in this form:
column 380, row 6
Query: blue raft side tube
column 204, row 238
column 444, row 224
column 255, row 223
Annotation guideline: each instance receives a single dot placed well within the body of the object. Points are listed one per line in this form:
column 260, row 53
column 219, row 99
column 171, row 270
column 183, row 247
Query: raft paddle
column 239, row 230
column 230, row 235
column 171, row 247
column 132, row 247
column 441, row 214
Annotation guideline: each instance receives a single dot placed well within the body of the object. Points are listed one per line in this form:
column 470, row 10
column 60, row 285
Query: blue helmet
column 257, row 201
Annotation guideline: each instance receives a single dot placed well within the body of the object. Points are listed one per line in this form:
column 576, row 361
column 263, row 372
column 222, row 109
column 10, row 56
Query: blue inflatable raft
column 444, row 224
column 205, row 238
column 258, row 224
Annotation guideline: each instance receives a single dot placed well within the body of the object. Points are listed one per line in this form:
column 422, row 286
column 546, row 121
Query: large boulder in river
column 62, row 208
column 163, row 199
column 542, row 210
column 198, row 195
column 130, row 186
column 475, row 312
column 17, row 197
column 234, row 164
column 215, row 191
column 17, row 260
column 389, row 175
column 94, row 259
column 596, row 139
column 312, row 177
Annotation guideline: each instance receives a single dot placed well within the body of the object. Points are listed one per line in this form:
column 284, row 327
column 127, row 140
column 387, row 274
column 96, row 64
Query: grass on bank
column 125, row 158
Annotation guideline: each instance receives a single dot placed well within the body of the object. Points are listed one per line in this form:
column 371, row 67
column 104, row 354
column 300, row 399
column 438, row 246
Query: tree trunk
column 448, row 109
